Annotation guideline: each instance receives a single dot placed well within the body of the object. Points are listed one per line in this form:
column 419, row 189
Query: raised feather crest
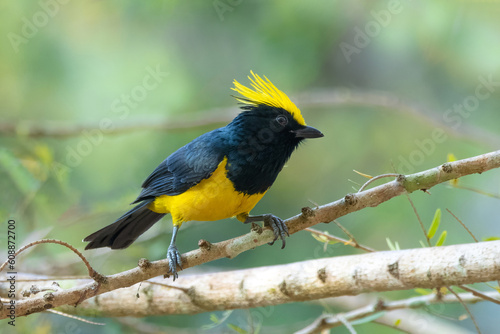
column 264, row 92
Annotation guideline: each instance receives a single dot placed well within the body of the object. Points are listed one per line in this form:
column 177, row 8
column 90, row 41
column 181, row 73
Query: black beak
column 308, row 132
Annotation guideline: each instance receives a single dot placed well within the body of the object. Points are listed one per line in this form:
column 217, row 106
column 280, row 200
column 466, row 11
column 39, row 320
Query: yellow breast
column 212, row 199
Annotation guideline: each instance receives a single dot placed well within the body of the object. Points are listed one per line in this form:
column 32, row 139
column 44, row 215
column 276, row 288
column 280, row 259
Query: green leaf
column 423, row 292
column 441, row 239
column 422, row 244
column 323, row 239
column 390, row 244
column 367, row 319
column 237, row 329
column 216, row 321
column 435, row 224
column 491, row 238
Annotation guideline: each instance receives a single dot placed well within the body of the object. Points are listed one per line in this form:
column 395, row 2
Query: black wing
column 186, row 167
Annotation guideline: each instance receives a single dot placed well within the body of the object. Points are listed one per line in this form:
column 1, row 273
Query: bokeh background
column 94, row 94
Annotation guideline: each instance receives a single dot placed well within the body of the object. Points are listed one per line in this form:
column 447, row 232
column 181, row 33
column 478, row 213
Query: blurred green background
column 392, row 85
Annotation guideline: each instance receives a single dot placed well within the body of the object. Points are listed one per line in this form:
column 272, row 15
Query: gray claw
column 280, row 229
column 174, row 261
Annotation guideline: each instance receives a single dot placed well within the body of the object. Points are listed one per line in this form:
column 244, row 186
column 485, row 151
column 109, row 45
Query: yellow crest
column 264, row 92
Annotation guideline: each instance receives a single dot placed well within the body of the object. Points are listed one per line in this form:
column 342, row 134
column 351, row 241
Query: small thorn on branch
column 447, row 168
column 204, row 244
column 307, row 212
column 350, row 199
column 144, row 264
column 256, row 228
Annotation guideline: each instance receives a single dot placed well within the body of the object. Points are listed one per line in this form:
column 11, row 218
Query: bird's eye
column 282, row 120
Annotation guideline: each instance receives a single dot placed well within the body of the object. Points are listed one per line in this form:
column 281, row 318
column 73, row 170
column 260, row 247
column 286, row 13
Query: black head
column 263, row 137
column 272, row 127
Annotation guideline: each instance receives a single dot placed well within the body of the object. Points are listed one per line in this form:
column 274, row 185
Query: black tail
column 123, row 232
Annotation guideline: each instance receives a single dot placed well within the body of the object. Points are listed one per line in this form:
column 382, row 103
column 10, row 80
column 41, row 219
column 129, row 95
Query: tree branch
column 304, row 281
column 328, row 321
column 309, row 217
column 65, row 130
column 351, row 242
column 409, row 320
column 308, row 100
column 92, row 272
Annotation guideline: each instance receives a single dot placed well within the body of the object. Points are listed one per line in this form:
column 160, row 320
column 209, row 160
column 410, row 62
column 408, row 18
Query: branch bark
column 420, row 324
column 67, row 130
column 309, row 217
column 305, row 281
column 414, row 321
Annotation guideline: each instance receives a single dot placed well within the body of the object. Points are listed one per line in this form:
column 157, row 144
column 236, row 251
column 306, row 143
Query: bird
column 221, row 174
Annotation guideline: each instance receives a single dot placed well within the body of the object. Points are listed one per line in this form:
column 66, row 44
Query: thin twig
column 75, row 317
column 416, row 212
column 5, row 300
column 346, row 323
column 344, row 241
column 330, row 321
column 54, row 278
column 92, row 272
column 479, row 191
column 466, row 309
column 376, row 178
column 349, row 234
column 419, row 220
column 186, row 290
column 463, row 225
column 147, row 327
column 396, row 328
column 479, row 294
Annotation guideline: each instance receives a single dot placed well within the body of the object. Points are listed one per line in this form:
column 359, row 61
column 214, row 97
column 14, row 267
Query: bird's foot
column 279, row 227
column 174, row 260
column 277, row 224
